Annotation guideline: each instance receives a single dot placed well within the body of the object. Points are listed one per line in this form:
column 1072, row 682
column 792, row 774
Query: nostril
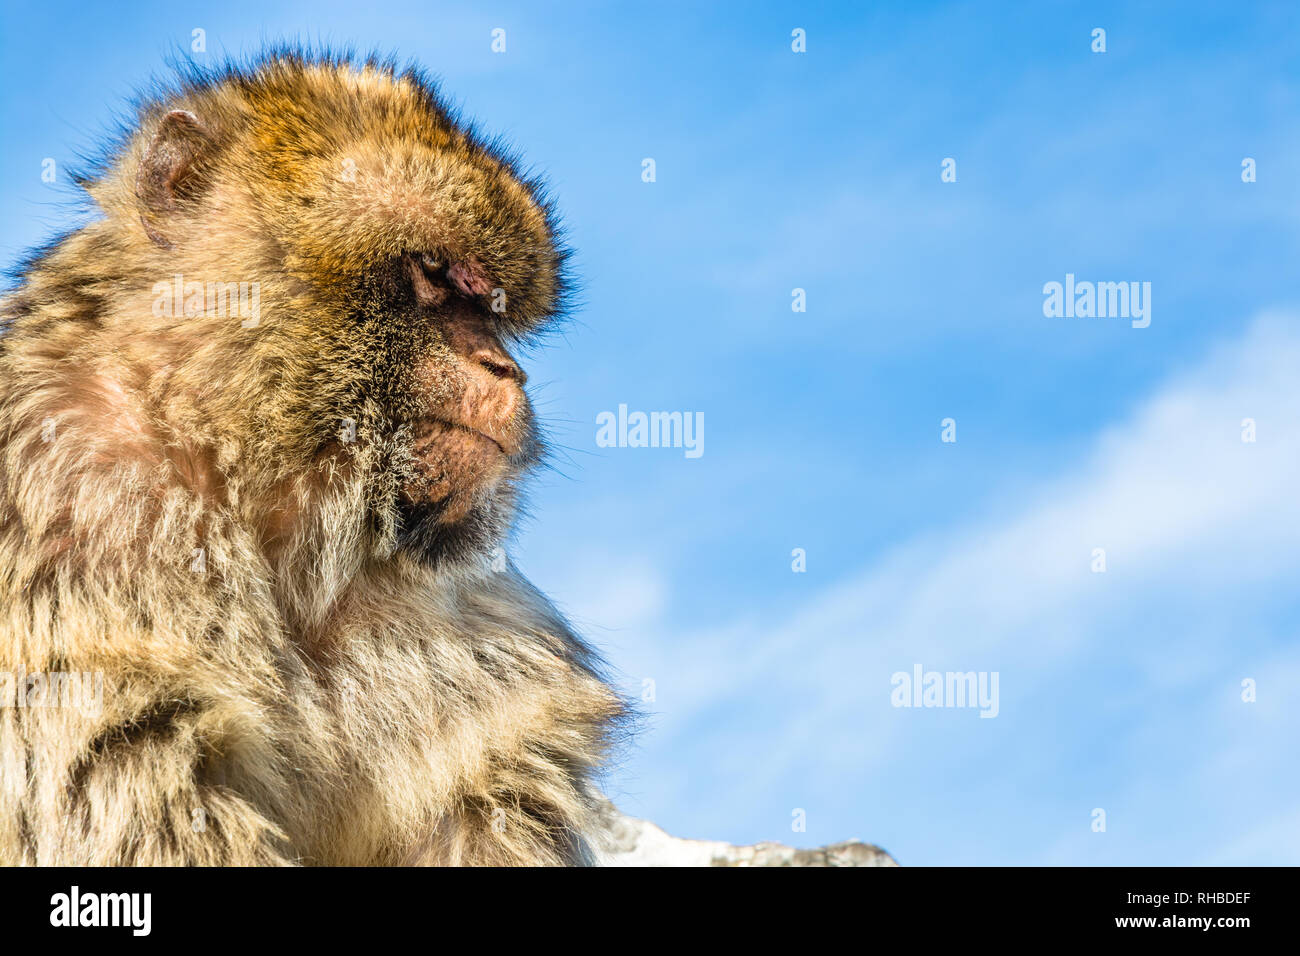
column 500, row 367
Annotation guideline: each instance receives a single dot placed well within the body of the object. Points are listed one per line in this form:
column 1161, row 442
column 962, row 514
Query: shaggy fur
column 279, row 542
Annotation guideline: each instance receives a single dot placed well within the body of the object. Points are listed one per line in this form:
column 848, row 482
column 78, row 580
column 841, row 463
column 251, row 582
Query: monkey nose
column 499, row 365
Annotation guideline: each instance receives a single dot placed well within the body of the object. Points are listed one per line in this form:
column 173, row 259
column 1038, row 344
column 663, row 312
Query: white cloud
column 1199, row 530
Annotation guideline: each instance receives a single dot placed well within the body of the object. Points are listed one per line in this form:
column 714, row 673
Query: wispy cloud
column 1201, row 533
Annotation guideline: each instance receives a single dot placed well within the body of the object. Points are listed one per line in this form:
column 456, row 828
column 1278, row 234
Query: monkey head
column 398, row 259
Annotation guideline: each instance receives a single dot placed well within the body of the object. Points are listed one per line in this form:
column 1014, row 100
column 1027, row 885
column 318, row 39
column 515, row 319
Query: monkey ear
column 167, row 170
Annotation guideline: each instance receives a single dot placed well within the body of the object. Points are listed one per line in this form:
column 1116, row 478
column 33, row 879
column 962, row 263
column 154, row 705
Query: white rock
column 627, row 841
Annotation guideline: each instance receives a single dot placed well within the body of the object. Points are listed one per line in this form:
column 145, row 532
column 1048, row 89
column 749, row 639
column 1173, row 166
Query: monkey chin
column 457, row 504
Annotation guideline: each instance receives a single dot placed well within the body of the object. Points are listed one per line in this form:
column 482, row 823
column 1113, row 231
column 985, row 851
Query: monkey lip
column 501, row 444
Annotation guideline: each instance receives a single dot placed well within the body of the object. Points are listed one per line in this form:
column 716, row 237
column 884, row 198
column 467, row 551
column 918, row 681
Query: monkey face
column 444, row 426
column 396, row 253
column 472, row 427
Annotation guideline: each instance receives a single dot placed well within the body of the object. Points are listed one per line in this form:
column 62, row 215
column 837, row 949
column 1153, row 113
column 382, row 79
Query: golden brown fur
column 279, row 542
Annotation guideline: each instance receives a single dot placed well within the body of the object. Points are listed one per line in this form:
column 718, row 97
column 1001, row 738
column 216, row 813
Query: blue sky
column 821, row 171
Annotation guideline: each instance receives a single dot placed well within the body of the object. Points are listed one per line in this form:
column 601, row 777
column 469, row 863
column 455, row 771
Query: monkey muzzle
column 477, row 430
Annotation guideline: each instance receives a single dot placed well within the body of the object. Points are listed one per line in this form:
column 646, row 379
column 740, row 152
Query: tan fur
column 325, row 685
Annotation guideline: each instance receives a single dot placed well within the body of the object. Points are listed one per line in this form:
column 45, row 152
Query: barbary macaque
column 261, row 441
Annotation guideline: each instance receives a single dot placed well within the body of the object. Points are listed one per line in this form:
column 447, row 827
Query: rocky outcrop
column 627, row 841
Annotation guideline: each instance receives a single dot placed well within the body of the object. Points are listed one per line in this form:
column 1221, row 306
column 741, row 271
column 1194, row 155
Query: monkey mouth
column 456, row 465
column 475, row 434
column 475, row 441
